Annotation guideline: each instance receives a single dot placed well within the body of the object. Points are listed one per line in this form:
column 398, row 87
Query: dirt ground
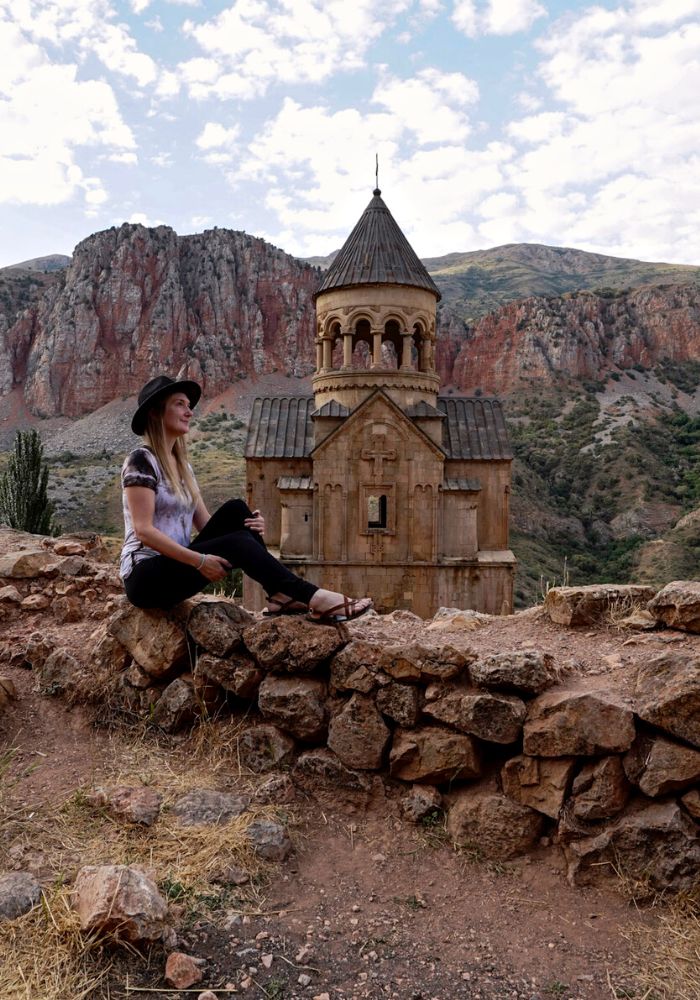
column 367, row 906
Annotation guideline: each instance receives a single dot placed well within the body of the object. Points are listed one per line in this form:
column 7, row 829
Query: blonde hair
column 174, row 464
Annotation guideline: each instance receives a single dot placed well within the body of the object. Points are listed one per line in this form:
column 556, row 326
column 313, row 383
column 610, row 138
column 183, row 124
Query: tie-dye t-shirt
column 172, row 515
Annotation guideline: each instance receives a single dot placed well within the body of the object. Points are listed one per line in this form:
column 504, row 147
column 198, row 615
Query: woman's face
column 177, row 414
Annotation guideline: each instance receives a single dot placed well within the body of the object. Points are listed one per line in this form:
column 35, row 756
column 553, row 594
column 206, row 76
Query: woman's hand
column 256, row 522
column 214, row 568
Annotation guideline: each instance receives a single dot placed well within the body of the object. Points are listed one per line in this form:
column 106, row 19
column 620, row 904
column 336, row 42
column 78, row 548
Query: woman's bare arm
column 201, row 515
column 142, row 502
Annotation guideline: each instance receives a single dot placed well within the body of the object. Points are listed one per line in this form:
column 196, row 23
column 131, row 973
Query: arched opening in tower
column 362, row 345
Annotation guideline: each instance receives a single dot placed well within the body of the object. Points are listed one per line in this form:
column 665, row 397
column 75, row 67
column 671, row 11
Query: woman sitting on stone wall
column 160, row 565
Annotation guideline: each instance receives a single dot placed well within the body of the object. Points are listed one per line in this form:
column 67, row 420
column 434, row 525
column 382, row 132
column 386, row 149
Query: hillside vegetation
column 605, row 476
column 481, row 281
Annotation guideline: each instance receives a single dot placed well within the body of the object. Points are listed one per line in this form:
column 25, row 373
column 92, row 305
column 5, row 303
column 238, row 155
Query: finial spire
column 376, row 174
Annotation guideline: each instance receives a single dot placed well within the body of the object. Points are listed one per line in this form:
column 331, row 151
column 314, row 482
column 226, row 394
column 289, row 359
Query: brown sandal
column 343, row 612
column 287, row 607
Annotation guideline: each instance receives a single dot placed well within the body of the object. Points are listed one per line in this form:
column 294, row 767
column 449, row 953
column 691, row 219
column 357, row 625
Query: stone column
column 406, row 340
column 327, row 350
column 347, row 348
column 426, row 355
column 319, row 355
column 376, row 348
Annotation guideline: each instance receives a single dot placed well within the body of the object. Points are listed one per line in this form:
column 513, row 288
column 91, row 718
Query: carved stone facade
column 376, row 485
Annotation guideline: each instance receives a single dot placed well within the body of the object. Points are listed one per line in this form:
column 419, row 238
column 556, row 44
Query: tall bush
column 24, row 500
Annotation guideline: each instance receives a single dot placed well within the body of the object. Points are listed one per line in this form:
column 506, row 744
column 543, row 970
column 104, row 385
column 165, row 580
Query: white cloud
column 216, row 136
column 130, row 159
column 46, row 115
column 615, row 159
column 201, row 221
column 142, row 219
column 431, row 104
column 89, row 27
column 252, row 44
column 505, row 17
column 314, row 186
column 538, row 128
column 495, row 17
column 162, row 159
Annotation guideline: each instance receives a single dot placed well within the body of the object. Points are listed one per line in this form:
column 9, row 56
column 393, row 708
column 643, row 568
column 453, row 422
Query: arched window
column 416, row 345
column 377, row 512
column 362, row 345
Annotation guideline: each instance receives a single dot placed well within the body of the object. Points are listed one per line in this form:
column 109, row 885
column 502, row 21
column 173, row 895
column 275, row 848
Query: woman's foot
column 280, row 604
column 330, row 608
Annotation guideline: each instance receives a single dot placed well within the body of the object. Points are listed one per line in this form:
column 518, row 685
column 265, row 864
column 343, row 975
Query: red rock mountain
column 134, row 301
column 581, row 335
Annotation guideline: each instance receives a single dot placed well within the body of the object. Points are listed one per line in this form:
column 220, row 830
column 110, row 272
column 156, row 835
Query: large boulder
column 656, row 843
column 542, row 783
column 563, row 723
column 678, row 605
column 60, row 673
column 154, row 638
column 106, row 655
column 237, row 673
column 497, row 718
column 119, row 902
column 321, row 771
column 358, row 734
column 668, row 694
column 434, row 755
column 217, row 625
column 490, row 823
column 527, row 671
column 295, row 704
column 292, row 645
column 400, row 702
column 600, row 790
column 417, row 662
column 177, row 707
column 658, row 765
column 357, row 667
column 594, row 603
column 28, row 564
column 262, row 748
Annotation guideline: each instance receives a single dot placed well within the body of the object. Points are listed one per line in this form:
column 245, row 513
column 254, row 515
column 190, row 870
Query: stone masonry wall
column 517, row 756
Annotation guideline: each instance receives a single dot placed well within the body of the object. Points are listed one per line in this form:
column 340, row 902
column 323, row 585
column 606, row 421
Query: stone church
column 376, row 485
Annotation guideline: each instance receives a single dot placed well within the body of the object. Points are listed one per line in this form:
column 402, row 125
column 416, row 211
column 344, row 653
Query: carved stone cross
column 378, row 456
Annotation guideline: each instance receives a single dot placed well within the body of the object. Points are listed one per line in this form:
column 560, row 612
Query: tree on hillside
column 24, row 501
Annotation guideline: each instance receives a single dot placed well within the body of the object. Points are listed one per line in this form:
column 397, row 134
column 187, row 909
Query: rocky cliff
column 134, row 300
column 137, row 300
column 582, row 335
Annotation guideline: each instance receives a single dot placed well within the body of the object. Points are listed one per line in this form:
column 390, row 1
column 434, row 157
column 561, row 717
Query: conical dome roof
column 377, row 253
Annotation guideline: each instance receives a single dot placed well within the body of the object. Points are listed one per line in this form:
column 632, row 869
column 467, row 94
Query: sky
column 495, row 121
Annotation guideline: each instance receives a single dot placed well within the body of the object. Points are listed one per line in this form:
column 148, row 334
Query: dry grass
column 620, row 610
column 667, row 956
column 43, row 955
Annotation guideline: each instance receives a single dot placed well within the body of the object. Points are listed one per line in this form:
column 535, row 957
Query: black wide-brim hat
column 157, row 389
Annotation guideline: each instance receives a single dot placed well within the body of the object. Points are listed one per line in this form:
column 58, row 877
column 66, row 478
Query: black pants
column 161, row 582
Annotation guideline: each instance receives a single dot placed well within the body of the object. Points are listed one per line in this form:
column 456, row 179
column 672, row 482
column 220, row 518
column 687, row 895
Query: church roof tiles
column 474, row 428
column 377, row 253
column 280, row 427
